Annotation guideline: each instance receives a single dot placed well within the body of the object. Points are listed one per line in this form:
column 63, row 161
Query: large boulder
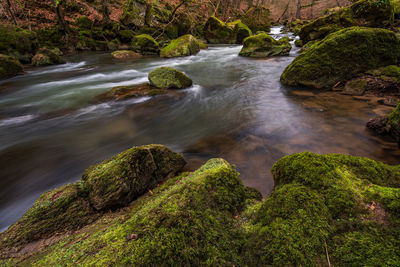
column 218, row 32
column 9, row 66
column 169, row 78
column 123, row 178
column 17, row 42
column 183, row 46
column 62, row 209
column 263, row 45
column 341, row 55
column 241, row 31
column 45, row 57
column 145, row 44
column 362, row 13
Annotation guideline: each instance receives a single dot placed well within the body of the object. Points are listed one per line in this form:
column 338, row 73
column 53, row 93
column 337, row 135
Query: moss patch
column 341, row 55
column 263, row 45
column 169, row 78
column 183, row 46
column 9, row 67
column 145, row 44
column 45, row 56
column 217, row 32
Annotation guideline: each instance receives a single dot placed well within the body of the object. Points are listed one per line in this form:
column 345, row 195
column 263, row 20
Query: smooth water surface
column 237, row 109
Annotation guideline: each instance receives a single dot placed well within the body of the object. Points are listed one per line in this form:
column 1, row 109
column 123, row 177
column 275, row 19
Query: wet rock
column 169, row 78
column 123, row 178
column 333, row 60
column 263, row 45
column 126, row 54
column 183, row 46
column 355, row 87
column 378, row 124
column 45, row 56
column 59, row 210
column 218, row 32
column 126, row 92
column 298, row 43
column 145, row 44
column 9, row 67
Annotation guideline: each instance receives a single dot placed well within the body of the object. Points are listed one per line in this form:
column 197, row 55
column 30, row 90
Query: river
column 236, row 109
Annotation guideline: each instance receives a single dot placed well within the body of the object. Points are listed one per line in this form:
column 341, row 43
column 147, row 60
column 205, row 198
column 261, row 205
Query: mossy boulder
column 9, row 67
column 341, row 55
column 355, row 87
column 389, row 73
column 17, row 42
column 145, row 44
column 62, row 209
column 369, row 13
column 126, row 54
column 123, row 178
column 169, row 78
column 218, row 32
column 183, row 46
column 125, row 92
column 263, row 45
column 45, row 56
column 241, row 31
column 393, row 123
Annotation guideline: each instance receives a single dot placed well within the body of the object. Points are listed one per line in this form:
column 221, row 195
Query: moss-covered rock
column 241, row 31
column 169, row 78
column 126, row 36
column 341, row 55
column 62, row 209
column 45, row 56
column 145, row 44
column 394, row 123
column 369, row 13
column 389, row 73
column 298, row 43
column 263, row 45
column 355, row 87
column 17, row 42
column 183, row 46
column 9, row 67
column 123, row 178
column 218, row 32
column 126, row 54
column 126, row 92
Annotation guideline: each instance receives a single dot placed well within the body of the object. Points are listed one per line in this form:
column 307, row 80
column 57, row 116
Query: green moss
column 341, row 55
column 59, row 210
column 394, row 120
column 45, row 56
column 355, row 87
column 50, row 37
column 241, row 31
column 145, row 44
column 126, row 36
column 84, row 23
column 183, row 46
column 123, row 178
column 362, row 13
column 299, row 43
column 9, row 67
column 17, row 42
column 169, row 78
column 217, row 32
column 388, row 73
column 263, row 45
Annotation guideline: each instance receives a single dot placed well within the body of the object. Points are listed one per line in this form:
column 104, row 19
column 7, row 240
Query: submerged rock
column 263, row 45
column 387, row 125
column 9, row 67
column 218, row 32
column 355, row 87
column 145, row 44
column 126, row 54
column 342, row 55
column 183, row 46
column 126, row 92
column 116, row 182
column 362, row 13
column 169, row 78
column 45, row 56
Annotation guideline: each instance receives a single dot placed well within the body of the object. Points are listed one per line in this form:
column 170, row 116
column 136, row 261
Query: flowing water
column 236, row 109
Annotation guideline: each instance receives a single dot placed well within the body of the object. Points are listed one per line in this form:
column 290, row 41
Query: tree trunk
column 106, row 12
column 8, row 4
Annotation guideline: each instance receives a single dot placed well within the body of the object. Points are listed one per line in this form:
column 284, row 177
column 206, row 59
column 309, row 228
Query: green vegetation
column 125, row 54
column 183, row 46
column 241, row 31
column 388, row 73
column 263, row 45
column 9, row 66
column 217, row 32
column 341, row 55
column 45, row 56
column 367, row 13
column 394, row 122
column 341, row 206
column 145, row 44
column 169, row 78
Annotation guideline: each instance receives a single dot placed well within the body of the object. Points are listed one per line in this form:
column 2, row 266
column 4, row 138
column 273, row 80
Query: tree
column 106, row 12
column 9, row 10
column 60, row 15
